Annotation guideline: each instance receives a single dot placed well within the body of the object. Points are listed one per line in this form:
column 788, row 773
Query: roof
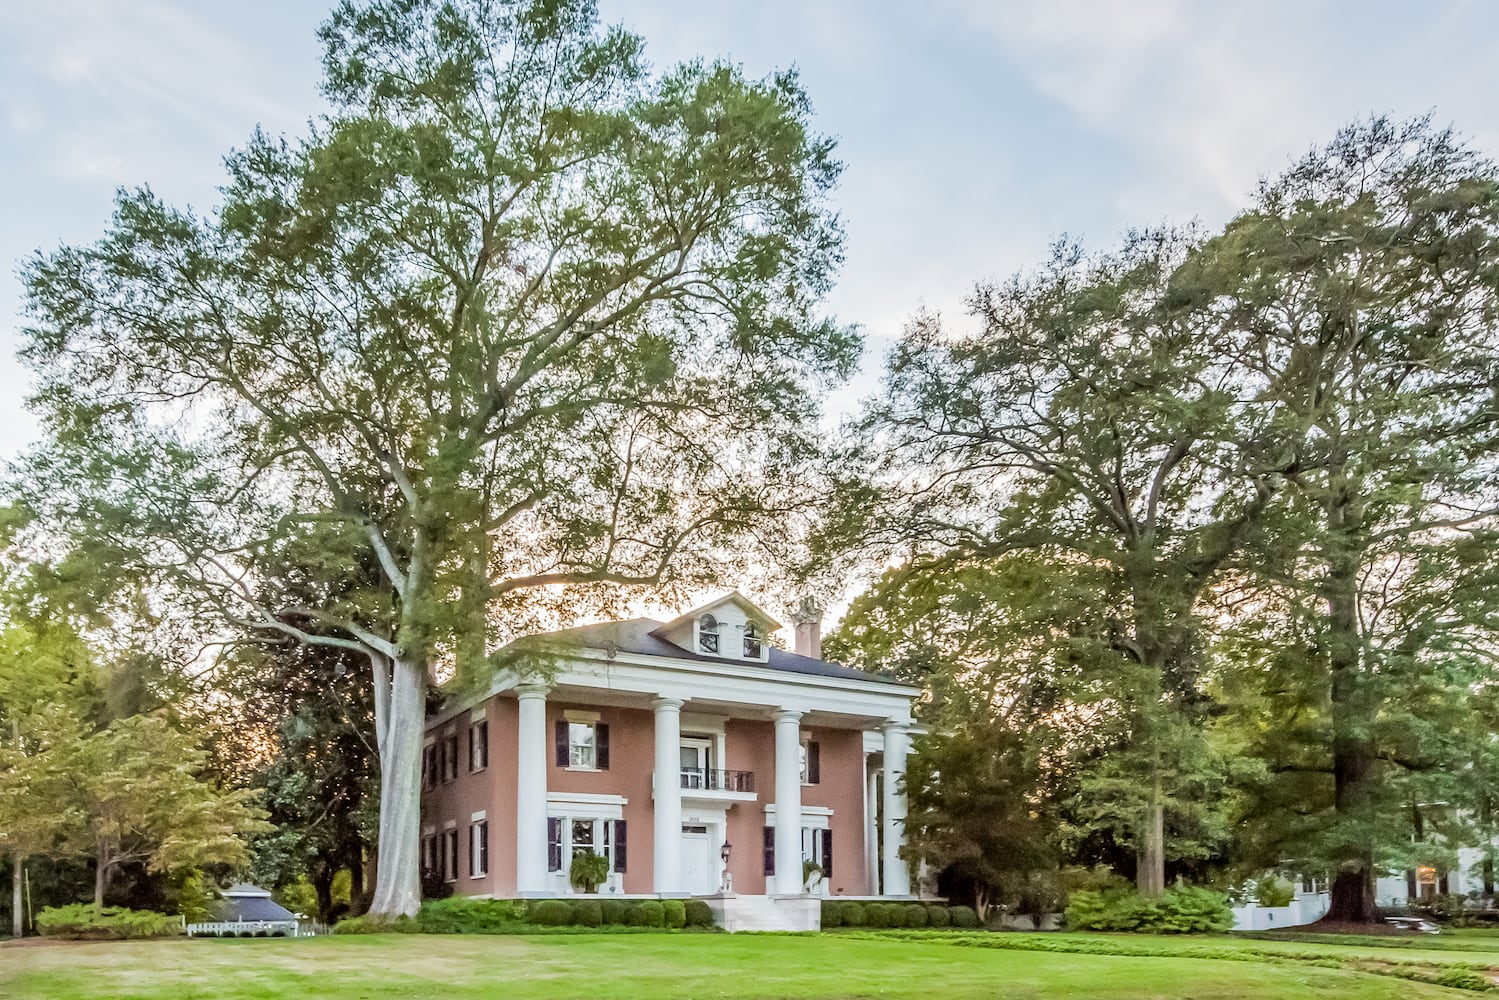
column 245, row 889
column 252, row 904
column 637, row 636
column 746, row 605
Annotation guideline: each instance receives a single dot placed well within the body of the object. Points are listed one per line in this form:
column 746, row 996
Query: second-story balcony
column 711, row 780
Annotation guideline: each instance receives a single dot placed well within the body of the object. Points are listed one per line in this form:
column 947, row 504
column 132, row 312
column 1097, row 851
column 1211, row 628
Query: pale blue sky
column 973, row 132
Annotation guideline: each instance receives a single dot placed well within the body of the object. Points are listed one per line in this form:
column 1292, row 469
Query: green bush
column 965, row 917
column 854, row 914
column 466, row 915
column 588, row 870
column 897, row 914
column 915, row 915
column 676, row 913
column 85, row 921
column 877, row 915
column 1188, row 910
column 587, row 913
column 634, row 915
column 612, row 911
column 652, row 913
column 938, row 916
column 1464, row 979
column 699, row 913
column 832, row 914
column 551, row 913
column 1272, row 890
column 376, row 925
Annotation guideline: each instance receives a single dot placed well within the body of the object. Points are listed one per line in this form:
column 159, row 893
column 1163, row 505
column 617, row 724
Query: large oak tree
column 516, row 314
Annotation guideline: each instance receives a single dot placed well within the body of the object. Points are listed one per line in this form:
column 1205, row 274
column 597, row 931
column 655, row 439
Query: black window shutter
column 827, row 854
column 814, row 764
column 619, row 845
column 601, row 746
column 473, row 748
column 561, row 745
column 484, row 848
column 554, row 844
column 483, row 733
column 770, row 850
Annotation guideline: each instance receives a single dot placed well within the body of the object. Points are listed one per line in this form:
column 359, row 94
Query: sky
column 974, row 133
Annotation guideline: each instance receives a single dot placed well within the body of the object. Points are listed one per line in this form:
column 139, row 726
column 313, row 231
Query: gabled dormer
column 731, row 627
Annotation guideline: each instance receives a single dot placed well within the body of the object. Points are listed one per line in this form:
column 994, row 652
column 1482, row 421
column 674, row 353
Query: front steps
column 736, row 913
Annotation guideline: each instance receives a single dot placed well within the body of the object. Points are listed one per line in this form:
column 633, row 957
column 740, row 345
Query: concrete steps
column 736, row 913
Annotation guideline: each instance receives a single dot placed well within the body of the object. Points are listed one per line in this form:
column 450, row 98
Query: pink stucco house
column 664, row 747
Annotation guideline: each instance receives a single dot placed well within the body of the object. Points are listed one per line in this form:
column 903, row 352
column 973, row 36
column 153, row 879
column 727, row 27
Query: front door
column 699, row 875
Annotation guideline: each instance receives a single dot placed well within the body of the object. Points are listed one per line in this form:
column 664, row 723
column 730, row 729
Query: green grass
column 659, row 967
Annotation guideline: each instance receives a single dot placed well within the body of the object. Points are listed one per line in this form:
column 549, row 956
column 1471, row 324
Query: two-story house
column 691, row 754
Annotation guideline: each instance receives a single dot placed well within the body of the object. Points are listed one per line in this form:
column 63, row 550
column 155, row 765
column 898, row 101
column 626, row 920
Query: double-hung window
column 478, row 849
column 478, row 746
column 450, row 860
column 582, row 746
column 450, row 758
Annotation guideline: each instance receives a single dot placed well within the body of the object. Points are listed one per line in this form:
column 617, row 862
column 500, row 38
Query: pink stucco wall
column 490, row 789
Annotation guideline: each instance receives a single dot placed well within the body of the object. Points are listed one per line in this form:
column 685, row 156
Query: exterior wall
column 490, row 790
column 632, row 748
column 841, row 789
column 749, row 745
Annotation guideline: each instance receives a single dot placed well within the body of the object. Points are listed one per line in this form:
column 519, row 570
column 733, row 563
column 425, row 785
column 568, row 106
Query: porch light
column 723, row 852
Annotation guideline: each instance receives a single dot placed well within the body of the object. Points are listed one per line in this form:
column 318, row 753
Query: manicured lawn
column 650, row 966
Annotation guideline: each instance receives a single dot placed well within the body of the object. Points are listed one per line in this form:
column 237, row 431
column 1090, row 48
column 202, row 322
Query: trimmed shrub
column 653, row 914
column 915, row 915
column 612, row 911
column 938, row 916
column 896, row 914
column 699, row 913
column 965, row 917
column 675, row 911
column 587, row 913
column 1188, row 910
column 854, row 914
column 85, row 921
column 376, row 925
column 876, row 915
column 832, row 914
column 634, row 915
column 552, row 913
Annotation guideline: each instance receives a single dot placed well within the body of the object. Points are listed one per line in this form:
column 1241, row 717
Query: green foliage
column 938, row 916
column 676, row 913
column 551, row 913
column 465, row 915
column 963, row 917
column 84, row 921
column 1184, row 910
column 634, row 915
column 699, row 913
column 876, row 915
column 832, row 914
column 612, row 911
column 915, row 915
column 854, row 914
column 587, row 913
column 374, row 923
column 588, row 870
column 652, row 913
column 195, row 898
column 1272, row 890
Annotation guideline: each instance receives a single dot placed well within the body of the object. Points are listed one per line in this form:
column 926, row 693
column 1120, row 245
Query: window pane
column 583, row 835
column 581, row 752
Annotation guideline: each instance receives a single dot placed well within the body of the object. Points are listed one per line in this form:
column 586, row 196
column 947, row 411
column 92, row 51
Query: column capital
column 787, row 715
column 895, row 726
column 532, row 689
column 664, row 703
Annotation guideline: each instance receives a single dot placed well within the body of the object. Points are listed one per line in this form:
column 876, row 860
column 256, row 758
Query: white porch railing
column 256, row 928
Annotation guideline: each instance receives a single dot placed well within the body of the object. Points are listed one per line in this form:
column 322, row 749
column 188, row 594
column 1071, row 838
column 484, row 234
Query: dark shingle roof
column 248, row 902
column 636, row 636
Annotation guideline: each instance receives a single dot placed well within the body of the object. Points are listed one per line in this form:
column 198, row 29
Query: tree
column 1097, row 418
column 1366, row 276
column 137, row 789
column 516, row 315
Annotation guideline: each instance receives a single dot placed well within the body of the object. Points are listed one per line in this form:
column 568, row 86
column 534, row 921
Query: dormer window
column 707, row 634
column 752, row 641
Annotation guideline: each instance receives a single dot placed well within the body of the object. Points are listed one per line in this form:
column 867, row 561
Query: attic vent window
column 752, row 641
column 707, row 634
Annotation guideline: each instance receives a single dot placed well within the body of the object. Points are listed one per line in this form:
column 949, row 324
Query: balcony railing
column 710, row 780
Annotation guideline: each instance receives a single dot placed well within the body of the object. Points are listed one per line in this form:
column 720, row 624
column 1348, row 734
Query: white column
column 897, row 881
column 531, row 790
column 872, row 827
column 667, row 835
column 788, row 878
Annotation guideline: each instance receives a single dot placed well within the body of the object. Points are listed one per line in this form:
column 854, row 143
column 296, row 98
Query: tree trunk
column 17, row 918
column 322, row 887
column 1150, row 874
column 397, row 861
column 1352, row 746
column 359, row 884
column 101, row 878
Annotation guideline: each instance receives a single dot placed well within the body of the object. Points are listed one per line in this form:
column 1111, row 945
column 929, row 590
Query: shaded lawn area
column 648, row 966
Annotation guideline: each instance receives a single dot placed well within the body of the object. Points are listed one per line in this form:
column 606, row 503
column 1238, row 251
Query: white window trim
column 590, row 719
column 473, row 847
column 813, row 817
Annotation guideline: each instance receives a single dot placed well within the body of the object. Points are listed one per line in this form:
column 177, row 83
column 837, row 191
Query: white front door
column 699, row 874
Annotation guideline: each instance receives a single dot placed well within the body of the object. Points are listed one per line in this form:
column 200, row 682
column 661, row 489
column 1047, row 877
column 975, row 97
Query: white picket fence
column 1306, row 908
column 256, row 928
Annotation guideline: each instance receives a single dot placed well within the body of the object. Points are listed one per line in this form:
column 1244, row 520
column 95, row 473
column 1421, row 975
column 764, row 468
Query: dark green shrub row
column 85, row 921
column 463, row 915
column 1187, row 910
column 856, row 913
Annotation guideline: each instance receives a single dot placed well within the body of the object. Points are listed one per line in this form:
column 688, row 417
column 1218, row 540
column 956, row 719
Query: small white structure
column 1306, row 907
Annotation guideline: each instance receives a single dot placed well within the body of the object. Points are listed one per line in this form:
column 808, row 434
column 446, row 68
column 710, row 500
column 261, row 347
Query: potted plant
column 588, row 871
column 811, row 875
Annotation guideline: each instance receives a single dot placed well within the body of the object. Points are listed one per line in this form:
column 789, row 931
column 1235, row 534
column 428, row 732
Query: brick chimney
column 809, row 628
